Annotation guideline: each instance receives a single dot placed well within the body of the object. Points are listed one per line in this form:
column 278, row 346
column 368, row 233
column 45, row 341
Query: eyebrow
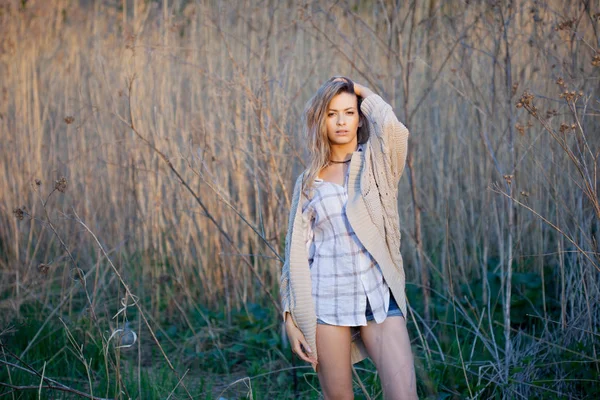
column 346, row 109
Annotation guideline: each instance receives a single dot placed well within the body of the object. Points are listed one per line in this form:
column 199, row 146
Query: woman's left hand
column 362, row 91
column 359, row 89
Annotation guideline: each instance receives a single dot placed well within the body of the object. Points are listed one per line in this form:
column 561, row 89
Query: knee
column 337, row 388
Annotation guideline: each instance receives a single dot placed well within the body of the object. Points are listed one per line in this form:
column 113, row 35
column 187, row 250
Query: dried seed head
column 551, row 113
column 61, row 184
column 19, row 214
column 130, row 41
column 520, row 128
column 570, row 96
column 38, row 182
column 525, row 100
column 524, row 193
column 568, row 24
column 596, row 60
column 508, row 178
column 560, row 82
column 564, row 128
column 515, row 86
column 43, row 268
column 69, row 119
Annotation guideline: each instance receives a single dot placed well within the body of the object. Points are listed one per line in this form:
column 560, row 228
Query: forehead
column 343, row 101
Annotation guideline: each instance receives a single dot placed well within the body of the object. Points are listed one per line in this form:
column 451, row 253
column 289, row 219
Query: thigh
column 334, row 367
column 388, row 346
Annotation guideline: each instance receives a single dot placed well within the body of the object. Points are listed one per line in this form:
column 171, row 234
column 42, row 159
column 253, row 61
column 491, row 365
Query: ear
column 360, row 122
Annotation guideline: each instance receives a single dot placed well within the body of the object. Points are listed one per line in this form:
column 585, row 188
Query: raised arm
column 391, row 133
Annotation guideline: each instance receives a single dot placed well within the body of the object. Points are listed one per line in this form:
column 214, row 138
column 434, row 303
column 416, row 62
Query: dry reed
column 178, row 130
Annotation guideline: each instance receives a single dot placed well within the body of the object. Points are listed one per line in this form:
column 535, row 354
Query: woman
column 342, row 284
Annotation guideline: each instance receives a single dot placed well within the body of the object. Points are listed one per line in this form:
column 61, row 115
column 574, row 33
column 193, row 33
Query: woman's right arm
column 284, row 283
column 295, row 336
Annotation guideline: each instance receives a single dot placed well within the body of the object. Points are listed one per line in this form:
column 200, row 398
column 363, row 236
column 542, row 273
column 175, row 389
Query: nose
column 341, row 119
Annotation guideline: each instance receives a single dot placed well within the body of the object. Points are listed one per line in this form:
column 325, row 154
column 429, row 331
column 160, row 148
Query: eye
column 330, row 114
column 350, row 113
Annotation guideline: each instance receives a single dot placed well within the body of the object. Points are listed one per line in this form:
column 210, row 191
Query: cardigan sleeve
column 391, row 133
column 284, row 283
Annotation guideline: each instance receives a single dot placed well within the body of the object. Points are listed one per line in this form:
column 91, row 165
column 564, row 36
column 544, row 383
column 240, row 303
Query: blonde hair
column 315, row 128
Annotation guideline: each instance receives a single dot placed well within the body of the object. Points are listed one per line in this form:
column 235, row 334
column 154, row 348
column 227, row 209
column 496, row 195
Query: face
column 342, row 119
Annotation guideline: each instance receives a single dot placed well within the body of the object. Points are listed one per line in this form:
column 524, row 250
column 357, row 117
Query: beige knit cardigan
column 372, row 211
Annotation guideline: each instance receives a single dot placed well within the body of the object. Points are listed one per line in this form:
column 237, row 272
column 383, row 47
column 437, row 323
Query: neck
column 341, row 152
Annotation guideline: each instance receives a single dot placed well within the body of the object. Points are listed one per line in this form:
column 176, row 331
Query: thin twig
column 50, row 383
column 137, row 303
column 556, row 228
column 59, row 388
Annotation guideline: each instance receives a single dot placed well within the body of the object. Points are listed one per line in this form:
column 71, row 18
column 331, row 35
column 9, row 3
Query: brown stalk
column 553, row 226
column 589, row 187
column 423, row 271
column 181, row 180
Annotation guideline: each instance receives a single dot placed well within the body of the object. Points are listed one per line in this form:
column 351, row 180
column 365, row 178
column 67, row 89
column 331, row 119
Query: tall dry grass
column 177, row 127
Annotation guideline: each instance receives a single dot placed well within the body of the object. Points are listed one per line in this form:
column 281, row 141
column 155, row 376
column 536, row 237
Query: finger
column 310, row 353
column 306, row 346
column 339, row 78
column 298, row 350
column 358, row 88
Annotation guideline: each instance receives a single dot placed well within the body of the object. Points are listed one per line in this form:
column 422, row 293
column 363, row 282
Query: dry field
column 176, row 126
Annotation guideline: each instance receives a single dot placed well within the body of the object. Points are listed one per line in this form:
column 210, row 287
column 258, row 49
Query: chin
column 341, row 141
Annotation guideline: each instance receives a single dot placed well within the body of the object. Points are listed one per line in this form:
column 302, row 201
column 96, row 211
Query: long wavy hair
column 315, row 127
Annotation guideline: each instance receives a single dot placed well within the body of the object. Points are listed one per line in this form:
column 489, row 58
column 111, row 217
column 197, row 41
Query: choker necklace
column 340, row 162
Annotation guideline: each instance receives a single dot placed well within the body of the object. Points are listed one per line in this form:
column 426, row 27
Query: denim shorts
column 393, row 311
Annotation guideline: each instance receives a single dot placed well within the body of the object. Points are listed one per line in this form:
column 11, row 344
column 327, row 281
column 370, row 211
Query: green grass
column 246, row 357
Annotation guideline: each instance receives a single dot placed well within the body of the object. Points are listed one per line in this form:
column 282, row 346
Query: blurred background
column 147, row 155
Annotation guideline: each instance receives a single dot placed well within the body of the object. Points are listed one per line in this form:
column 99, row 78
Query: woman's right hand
column 298, row 341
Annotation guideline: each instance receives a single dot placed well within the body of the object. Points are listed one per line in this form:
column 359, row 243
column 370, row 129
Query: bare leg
column 388, row 346
column 334, row 368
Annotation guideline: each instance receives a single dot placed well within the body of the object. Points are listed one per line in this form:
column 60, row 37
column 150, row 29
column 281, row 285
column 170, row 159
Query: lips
column 341, row 132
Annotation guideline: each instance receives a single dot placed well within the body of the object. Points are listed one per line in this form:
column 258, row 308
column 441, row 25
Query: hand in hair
column 362, row 91
column 359, row 89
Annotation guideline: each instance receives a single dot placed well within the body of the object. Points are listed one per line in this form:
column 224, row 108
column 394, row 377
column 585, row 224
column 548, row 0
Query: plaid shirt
column 343, row 273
